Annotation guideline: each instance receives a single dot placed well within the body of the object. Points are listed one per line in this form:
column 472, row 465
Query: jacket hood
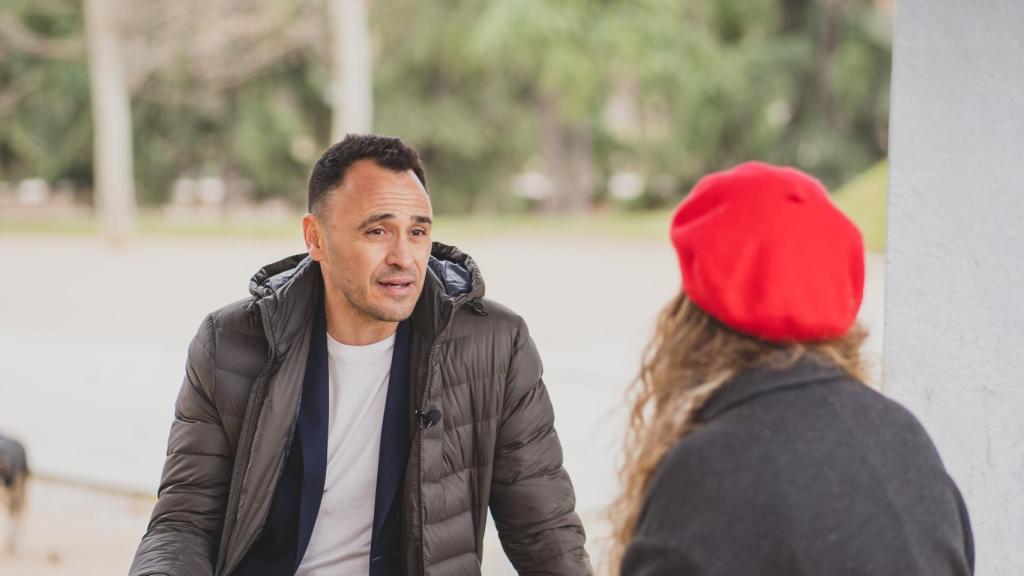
column 273, row 277
column 456, row 273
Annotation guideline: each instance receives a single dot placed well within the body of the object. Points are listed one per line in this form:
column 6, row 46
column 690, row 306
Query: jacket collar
column 453, row 279
column 762, row 380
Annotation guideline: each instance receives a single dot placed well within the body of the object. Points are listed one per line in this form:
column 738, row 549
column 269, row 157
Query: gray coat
column 471, row 359
column 802, row 472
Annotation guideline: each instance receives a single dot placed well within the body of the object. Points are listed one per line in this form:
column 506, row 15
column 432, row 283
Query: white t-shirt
column 340, row 544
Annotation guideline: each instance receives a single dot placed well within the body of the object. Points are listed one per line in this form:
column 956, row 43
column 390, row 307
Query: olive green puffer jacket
column 472, row 360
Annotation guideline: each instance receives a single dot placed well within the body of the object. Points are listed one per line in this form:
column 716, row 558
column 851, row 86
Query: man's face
column 374, row 242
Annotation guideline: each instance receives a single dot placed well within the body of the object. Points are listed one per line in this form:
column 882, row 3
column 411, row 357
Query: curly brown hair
column 688, row 359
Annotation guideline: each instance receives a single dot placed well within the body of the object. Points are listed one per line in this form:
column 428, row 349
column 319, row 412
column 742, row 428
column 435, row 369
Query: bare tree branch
column 17, row 36
column 218, row 43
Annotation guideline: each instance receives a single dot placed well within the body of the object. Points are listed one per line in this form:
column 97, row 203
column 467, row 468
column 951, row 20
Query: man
column 362, row 409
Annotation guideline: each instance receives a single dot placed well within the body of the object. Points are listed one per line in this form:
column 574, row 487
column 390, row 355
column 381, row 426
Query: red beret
column 763, row 250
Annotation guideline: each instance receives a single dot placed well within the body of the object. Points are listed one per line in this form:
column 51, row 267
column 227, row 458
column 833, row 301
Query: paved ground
column 72, row 530
column 93, row 341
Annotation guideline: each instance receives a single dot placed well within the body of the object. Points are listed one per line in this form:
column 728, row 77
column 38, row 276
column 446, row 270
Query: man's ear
column 313, row 234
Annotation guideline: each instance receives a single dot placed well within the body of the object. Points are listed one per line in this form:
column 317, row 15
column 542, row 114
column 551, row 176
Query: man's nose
column 400, row 254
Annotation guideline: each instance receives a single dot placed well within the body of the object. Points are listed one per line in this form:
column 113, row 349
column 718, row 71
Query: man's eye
column 375, row 232
column 419, row 232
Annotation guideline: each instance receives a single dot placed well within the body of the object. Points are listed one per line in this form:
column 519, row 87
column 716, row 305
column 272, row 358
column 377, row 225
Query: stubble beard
column 358, row 298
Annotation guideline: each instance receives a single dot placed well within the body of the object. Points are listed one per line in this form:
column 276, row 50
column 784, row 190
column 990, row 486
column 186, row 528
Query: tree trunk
column 568, row 158
column 793, row 15
column 113, row 182
column 352, row 72
column 829, row 35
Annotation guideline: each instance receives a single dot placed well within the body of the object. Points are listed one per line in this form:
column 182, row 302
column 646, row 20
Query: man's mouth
column 397, row 285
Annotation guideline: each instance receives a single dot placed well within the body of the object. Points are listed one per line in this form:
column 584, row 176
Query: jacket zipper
column 423, row 405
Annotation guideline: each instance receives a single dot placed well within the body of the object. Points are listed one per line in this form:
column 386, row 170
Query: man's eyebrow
column 380, row 216
column 374, row 218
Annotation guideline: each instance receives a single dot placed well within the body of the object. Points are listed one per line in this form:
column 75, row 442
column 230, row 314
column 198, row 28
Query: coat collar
column 755, row 382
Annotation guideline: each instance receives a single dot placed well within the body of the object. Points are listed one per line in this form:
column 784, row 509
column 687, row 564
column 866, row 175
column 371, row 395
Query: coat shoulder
column 501, row 316
column 233, row 340
column 240, row 316
column 495, row 321
column 233, row 329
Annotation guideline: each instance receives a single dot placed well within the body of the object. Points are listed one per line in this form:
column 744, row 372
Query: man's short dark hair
column 330, row 169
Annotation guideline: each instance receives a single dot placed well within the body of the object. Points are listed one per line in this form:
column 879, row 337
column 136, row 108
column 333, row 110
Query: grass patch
column 41, row 226
column 628, row 225
column 865, row 200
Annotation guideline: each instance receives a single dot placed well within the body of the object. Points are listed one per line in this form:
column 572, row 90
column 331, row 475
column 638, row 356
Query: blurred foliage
column 666, row 89
column 45, row 126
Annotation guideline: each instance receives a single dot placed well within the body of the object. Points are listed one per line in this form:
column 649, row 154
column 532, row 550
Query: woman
column 754, row 446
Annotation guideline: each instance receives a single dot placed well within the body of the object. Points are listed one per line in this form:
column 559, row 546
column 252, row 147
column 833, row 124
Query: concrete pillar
column 954, row 331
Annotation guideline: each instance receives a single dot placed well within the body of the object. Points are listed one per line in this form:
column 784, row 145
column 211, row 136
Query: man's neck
column 347, row 325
